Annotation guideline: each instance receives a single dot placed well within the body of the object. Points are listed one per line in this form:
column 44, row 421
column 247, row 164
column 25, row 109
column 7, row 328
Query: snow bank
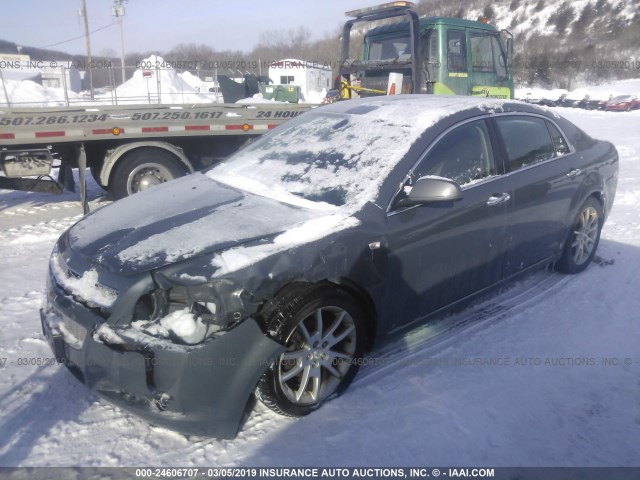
column 158, row 86
column 32, row 94
column 146, row 86
column 191, row 79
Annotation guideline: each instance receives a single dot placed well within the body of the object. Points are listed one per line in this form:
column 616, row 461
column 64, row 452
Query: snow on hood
column 185, row 218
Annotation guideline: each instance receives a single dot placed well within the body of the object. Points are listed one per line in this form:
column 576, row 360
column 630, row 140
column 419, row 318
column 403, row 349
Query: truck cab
column 438, row 55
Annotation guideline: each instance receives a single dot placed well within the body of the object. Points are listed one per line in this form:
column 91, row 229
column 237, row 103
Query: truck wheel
column 144, row 168
column 323, row 330
column 582, row 240
column 95, row 173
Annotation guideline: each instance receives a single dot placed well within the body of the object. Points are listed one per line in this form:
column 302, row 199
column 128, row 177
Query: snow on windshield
column 335, row 159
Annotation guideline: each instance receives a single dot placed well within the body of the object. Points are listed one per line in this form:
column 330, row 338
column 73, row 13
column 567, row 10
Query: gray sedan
column 274, row 272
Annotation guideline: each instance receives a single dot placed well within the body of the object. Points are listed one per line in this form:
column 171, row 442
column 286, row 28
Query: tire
column 582, row 240
column 324, row 332
column 143, row 168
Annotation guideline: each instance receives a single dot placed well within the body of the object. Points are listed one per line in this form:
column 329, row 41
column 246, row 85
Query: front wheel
column 583, row 238
column 322, row 328
column 144, row 168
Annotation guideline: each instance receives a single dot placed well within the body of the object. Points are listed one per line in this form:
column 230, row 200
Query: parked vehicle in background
column 570, row 101
column 623, row 103
column 591, row 102
column 546, row 98
column 274, row 271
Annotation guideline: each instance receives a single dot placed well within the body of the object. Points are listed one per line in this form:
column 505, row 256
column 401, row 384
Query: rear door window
column 526, row 139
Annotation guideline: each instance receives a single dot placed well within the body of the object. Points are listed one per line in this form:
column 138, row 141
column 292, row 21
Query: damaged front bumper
column 195, row 389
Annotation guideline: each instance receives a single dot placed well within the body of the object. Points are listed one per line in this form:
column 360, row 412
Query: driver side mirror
column 509, row 51
column 433, row 190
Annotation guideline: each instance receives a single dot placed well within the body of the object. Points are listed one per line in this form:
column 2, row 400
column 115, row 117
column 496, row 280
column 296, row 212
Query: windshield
column 329, row 159
column 389, row 48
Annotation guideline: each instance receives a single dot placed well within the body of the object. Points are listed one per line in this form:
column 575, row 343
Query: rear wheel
column 583, row 238
column 322, row 328
column 144, row 168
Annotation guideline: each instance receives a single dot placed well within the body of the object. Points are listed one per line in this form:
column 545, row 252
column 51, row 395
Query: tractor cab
column 426, row 55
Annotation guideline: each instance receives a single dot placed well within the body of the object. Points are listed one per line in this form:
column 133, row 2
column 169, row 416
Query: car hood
column 188, row 217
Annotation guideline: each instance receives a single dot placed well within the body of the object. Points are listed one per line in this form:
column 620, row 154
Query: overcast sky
column 162, row 24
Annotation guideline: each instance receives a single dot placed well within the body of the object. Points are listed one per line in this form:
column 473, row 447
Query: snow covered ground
column 518, row 380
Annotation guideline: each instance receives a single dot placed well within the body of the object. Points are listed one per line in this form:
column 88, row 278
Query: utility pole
column 88, row 42
column 118, row 11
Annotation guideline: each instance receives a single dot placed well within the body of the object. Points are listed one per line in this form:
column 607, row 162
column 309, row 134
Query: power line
column 76, row 38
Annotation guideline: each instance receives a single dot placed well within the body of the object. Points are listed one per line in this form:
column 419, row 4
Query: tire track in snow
column 441, row 332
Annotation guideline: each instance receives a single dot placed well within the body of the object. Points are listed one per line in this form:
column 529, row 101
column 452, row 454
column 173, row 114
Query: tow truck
column 128, row 148
column 434, row 55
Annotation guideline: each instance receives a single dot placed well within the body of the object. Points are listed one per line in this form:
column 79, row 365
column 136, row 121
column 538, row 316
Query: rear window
column 559, row 142
column 389, row 48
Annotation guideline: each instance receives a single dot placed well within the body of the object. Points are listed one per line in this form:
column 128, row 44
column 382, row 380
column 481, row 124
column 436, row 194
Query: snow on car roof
column 402, row 106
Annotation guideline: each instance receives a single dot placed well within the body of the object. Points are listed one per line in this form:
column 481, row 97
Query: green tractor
column 449, row 56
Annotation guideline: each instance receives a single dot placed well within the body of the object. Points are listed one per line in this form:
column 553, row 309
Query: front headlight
column 190, row 314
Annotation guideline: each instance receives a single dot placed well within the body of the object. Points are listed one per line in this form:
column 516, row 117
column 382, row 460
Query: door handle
column 574, row 172
column 498, row 198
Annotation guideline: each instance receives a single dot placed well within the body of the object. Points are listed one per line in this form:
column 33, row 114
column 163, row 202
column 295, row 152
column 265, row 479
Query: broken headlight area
column 189, row 314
